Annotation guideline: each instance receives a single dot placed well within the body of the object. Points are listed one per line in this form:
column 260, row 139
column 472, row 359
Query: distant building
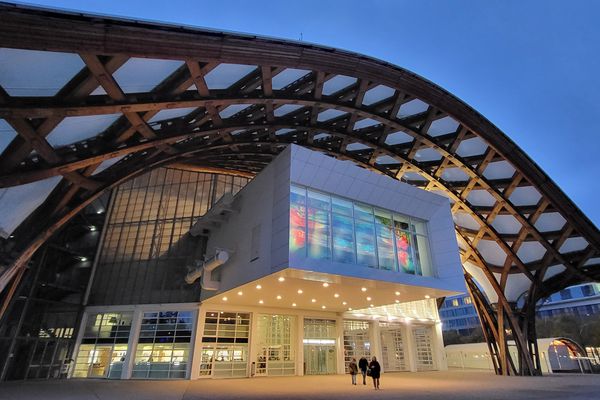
column 458, row 313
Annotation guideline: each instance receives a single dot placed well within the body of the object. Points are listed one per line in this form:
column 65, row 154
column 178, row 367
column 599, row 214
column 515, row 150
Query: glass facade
column 225, row 345
column 163, row 349
column 327, row 227
column 276, row 345
column 103, row 346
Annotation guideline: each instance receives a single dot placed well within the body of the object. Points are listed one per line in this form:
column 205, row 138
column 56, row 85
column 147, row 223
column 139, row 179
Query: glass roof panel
column 378, row 93
column 398, row 138
column 481, row 197
column 36, row 73
column 142, row 74
column 7, row 134
column 499, row 170
column 18, row 202
column 171, row 113
column 531, row 251
column 506, row 224
column 412, row 107
column 549, row 222
column 427, row 154
column 225, row 75
column 592, row 261
column 454, row 174
column 573, row 244
column 232, row 109
column 329, row 114
column 286, row 109
column 337, row 83
column 491, row 252
column 288, row 76
column 442, row 126
column 75, row 129
column 525, row 196
column 471, row 147
column 365, row 123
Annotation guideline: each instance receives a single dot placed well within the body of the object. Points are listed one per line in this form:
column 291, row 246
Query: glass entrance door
column 319, row 359
column 101, row 357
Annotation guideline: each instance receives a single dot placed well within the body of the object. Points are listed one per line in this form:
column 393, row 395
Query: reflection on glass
column 365, row 243
column 403, row 249
column 328, row 227
column 297, row 220
column 343, row 239
column 385, row 241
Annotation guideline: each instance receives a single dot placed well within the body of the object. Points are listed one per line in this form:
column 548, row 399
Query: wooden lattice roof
column 89, row 102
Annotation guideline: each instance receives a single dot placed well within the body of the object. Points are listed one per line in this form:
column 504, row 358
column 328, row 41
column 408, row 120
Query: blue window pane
column 363, row 212
column 339, row 206
column 365, row 243
column 297, row 221
column 343, row 239
column 318, row 233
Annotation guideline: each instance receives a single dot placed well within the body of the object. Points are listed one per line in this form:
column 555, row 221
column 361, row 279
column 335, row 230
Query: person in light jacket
column 375, row 372
column 353, row 370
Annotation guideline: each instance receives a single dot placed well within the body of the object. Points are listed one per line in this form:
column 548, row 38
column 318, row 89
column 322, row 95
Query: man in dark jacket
column 363, row 364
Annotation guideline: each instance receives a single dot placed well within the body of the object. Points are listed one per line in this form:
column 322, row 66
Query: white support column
column 300, row 346
column 375, row 336
column 197, row 354
column 253, row 343
column 339, row 327
column 134, row 335
column 410, row 347
column 439, row 353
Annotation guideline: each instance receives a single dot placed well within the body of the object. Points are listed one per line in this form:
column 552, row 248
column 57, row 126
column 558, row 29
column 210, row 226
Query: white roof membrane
column 471, row 147
column 442, row 126
column 7, row 134
column 337, row 83
column 412, row 107
column 531, row 251
column 398, row 138
column 225, row 75
column 18, row 202
column 142, row 74
column 171, row 113
column 499, row 170
column 75, row 129
column 525, row 196
column 36, row 73
column 288, row 76
column 378, row 93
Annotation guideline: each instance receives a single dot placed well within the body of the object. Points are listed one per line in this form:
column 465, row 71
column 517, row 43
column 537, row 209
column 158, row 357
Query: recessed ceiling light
column 314, row 300
column 364, row 289
column 427, row 296
column 260, row 302
column 397, row 301
column 278, row 297
column 300, row 291
column 349, row 308
column 258, row 287
column 344, row 303
column 240, row 293
column 293, row 304
column 323, row 307
column 336, row 295
column 281, row 279
column 368, row 299
column 225, row 298
column 325, row 284
column 371, row 305
column 397, row 293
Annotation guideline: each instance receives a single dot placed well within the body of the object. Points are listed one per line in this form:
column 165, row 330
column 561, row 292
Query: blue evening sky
column 530, row 67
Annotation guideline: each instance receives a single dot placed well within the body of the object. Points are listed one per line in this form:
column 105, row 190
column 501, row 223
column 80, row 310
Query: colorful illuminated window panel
column 385, row 241
column 297, row 220
column 318, row 226
column 404, row 252
column 365, row 243
column 343, row 239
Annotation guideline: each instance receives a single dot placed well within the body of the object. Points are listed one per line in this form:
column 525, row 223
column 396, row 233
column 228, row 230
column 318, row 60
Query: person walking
column 353, row 370
column 375, row 372
column 363, row 364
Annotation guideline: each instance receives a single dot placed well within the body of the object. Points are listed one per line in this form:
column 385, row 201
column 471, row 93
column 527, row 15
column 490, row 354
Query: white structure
column 319, row 261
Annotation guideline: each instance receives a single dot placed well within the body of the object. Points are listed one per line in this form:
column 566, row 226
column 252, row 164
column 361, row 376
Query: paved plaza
column 448, row 385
